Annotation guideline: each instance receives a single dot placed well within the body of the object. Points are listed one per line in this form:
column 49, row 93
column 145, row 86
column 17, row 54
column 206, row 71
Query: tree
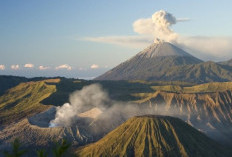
column 41, row 153
column 60, row 149
column 16, row 151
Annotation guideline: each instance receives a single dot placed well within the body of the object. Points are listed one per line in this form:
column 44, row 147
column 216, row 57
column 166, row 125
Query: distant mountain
column 163, row 61
column 7, row 82
column 154, row 136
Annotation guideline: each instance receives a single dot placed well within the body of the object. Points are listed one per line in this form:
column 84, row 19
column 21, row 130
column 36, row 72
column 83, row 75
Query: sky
column 85, row 38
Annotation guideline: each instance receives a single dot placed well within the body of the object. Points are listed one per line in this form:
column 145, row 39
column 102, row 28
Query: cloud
column 64, row 66
column 214, row 48
column 41, row 67
column 29, row 65
column 125, row 41
column 15, row 67
column 94, row 66
column 159, row 26
column 2, row 67
column 182, row 19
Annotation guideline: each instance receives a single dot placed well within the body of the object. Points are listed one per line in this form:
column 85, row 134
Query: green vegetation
column 60, row 150
column 159, row 136
column 202, row 88
column 200, row 73
column 24, row 100
column 41, row 153
column 16, row 151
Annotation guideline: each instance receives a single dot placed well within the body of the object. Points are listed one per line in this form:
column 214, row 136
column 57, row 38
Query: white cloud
column 214, row 48
column 143, row 26
column 94, row 66
column 2, row 67
column 64, row 66
column 29, row 65
column 41, row 67
column 125, row 41
column 15, row 67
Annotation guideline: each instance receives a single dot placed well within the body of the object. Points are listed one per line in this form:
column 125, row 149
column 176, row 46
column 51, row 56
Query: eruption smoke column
column 159, row 26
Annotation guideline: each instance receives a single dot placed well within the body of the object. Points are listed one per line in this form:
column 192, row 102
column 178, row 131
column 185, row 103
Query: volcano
column 163, row 61
column 154, row 136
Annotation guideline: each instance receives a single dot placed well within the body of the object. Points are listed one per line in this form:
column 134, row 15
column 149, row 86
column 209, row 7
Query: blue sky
column 51, row 33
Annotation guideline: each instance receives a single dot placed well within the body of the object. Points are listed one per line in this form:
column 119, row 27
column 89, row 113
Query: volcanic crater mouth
column 43, row 119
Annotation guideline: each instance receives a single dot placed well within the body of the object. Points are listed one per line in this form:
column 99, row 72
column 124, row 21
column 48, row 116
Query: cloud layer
column 126, row 41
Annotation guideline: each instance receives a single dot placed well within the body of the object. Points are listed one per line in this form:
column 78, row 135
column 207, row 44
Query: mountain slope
column 24, row 100
column 154, row 136
column 150, row 64
column 163, row 61
column 200, row 73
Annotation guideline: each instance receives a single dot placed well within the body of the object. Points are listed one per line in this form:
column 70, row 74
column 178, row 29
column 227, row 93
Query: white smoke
column 92, row 110
column 80, row 101
column 93, row 98
column 158, row 25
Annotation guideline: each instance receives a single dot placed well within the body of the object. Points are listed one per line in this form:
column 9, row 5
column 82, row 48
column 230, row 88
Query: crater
column 43, row 119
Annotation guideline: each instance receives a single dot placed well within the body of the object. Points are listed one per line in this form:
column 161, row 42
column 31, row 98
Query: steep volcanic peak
column 154, row 136
column 153, row 63
column 161, row 48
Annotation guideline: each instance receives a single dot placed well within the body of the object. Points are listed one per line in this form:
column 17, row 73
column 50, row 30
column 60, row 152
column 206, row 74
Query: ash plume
column 94, row 97
column 159, row 26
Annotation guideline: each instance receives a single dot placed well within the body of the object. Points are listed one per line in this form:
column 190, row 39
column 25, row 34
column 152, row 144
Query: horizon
column 85, row 39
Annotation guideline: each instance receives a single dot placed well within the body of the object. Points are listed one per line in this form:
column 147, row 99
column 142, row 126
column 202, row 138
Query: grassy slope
column 154, row 136
column 24, row 100
column 199, row 73
column 202, row 88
